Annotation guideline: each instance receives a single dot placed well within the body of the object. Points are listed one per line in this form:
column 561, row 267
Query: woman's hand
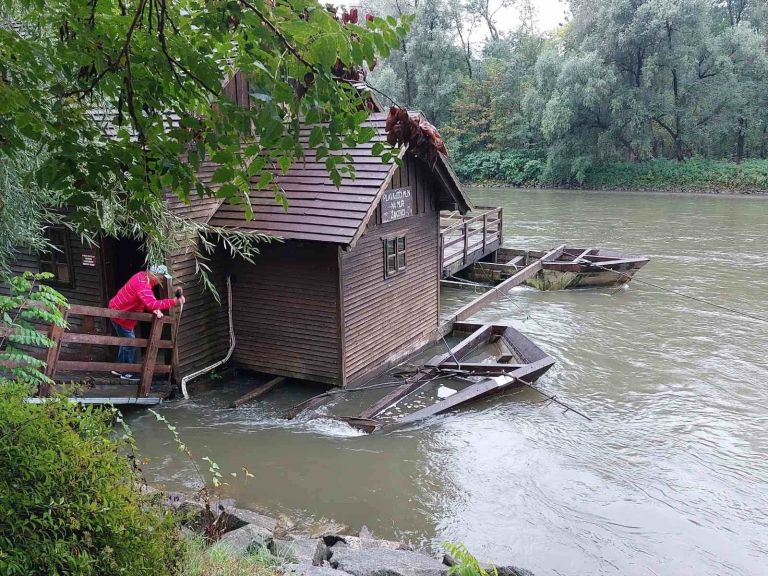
column 158, row 313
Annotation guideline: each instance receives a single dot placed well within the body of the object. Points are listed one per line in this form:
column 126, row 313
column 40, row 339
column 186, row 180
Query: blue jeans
column 125, row 354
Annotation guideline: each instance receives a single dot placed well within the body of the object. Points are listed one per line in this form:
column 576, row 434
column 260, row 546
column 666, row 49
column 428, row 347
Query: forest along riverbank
column 683, row 190
column 669, row 477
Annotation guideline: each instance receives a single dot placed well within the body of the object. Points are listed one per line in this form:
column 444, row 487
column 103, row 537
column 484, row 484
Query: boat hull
column 601, row 268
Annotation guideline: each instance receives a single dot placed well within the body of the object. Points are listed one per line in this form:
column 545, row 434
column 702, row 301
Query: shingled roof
column 317, row 208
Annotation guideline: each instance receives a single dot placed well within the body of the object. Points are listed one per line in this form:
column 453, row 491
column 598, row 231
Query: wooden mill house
column 353, row 287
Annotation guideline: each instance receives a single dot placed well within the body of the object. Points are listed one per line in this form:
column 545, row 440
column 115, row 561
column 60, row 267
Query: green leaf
column 324, row 50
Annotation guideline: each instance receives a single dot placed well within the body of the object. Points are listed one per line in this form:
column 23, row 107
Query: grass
column 218, row 560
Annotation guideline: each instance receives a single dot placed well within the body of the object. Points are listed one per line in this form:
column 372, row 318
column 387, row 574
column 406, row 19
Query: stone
column 384, row 562
column 328, row 529
column 512, row 571
column 249, row 517
column 365, row 542
column 301, row 550
column 309, row 570
column 246, row 539
column 175, row 499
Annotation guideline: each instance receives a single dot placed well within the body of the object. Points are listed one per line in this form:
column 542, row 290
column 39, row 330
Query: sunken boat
column 572, row 268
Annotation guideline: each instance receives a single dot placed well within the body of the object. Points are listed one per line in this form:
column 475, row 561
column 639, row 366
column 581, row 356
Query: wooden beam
column 83, row 310
column 85, row 366
column 150, row 357
column 258, row 391
column 78, row 338
column 528, row 373
column 313, row 402
column 52, row 358
column 463, row 348
column 480, row 367
column 493, row 294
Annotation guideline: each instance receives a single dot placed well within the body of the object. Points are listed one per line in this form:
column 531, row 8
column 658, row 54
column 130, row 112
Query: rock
column 384, row 562
column 309, row 570
column 365, row 542
column 246, row 539
column 249, row 517
column 302, row 550
column 175, row 499
column 328, row 529
column 512, row 571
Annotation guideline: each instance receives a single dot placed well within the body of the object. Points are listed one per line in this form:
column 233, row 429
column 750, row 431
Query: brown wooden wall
column 286, row 311
column 202, row 337
column 386, row 318
column 87, row 288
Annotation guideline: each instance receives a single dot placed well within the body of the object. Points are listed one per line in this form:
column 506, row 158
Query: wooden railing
column 462, row 237
column 146, row 369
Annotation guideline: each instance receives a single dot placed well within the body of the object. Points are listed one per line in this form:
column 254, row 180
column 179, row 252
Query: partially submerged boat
column 485, row 359
column 571, row 268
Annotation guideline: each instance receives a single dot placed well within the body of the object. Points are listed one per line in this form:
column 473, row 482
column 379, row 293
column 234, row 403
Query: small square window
column 58, row 259
column 394, row 256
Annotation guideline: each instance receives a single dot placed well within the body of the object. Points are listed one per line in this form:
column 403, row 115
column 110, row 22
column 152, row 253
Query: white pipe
column 226, row 358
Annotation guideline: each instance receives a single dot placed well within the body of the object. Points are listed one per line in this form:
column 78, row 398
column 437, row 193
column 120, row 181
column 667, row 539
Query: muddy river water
column 669, row 477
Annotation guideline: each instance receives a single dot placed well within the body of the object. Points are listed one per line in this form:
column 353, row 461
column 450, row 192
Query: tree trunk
column 740, row 139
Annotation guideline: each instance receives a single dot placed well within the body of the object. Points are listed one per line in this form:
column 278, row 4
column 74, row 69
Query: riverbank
column 495, row 184
column 252, row 542
column 530, row 169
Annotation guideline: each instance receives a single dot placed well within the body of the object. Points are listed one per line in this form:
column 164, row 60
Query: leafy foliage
column 122, row 101
column 69, row 498
column 29, row 304
column 466, row 563
column 626, row 82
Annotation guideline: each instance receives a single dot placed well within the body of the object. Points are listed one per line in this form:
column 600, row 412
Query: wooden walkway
column 73, row 360
column 467, row 239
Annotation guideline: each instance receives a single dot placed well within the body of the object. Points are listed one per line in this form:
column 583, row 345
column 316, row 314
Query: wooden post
column 466, row 241
column 485, row 231
column 52, row 358
column 150, row 358
column 500, row 226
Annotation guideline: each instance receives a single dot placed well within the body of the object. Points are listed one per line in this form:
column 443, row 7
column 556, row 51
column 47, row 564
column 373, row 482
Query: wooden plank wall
column 286, row 311
column 203, row 332
column 385, row 318
column 86, row 289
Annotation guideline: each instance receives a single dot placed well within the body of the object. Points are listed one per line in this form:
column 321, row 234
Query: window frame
column 58, row 255
column 395, row 249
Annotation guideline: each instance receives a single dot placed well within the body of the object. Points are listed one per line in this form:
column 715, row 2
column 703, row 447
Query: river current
column 669, row 477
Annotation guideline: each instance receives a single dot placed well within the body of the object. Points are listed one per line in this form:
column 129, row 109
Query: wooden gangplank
column 466, row 239
column 496, row 292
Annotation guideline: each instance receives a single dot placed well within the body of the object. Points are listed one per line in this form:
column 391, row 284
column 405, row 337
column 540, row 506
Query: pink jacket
column 137, row 296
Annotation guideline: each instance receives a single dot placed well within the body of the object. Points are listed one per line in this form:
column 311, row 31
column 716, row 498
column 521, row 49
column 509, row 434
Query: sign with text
column 89, row 259
column 396, row 204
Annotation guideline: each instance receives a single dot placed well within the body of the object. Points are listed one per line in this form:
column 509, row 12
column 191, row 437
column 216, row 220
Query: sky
column 550, row 13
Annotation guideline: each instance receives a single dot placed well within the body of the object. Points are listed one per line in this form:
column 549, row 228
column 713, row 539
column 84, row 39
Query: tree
column 120, row 102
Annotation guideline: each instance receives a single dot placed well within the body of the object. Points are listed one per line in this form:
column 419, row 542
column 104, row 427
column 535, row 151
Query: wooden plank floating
column 257, row 392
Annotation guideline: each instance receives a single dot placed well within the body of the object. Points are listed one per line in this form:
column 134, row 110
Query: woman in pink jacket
column 137, row 296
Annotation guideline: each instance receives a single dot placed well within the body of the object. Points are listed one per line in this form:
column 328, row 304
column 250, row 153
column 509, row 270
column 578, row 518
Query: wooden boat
column 516, row 361
column 573, row 268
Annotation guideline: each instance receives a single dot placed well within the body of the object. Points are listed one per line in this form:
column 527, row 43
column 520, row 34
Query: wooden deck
column 86, row 376
column 467, row 239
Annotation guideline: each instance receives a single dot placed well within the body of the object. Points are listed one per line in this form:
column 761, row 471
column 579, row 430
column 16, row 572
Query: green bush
column 531, row 168
column 69, row 495
column 517, row 167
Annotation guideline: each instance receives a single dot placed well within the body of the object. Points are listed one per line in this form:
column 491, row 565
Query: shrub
column 69, row 497
column 218, row 560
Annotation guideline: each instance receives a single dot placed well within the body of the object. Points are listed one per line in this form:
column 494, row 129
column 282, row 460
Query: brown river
column 670, row 476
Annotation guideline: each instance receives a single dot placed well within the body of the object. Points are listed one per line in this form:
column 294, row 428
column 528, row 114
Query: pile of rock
column 324, row 553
